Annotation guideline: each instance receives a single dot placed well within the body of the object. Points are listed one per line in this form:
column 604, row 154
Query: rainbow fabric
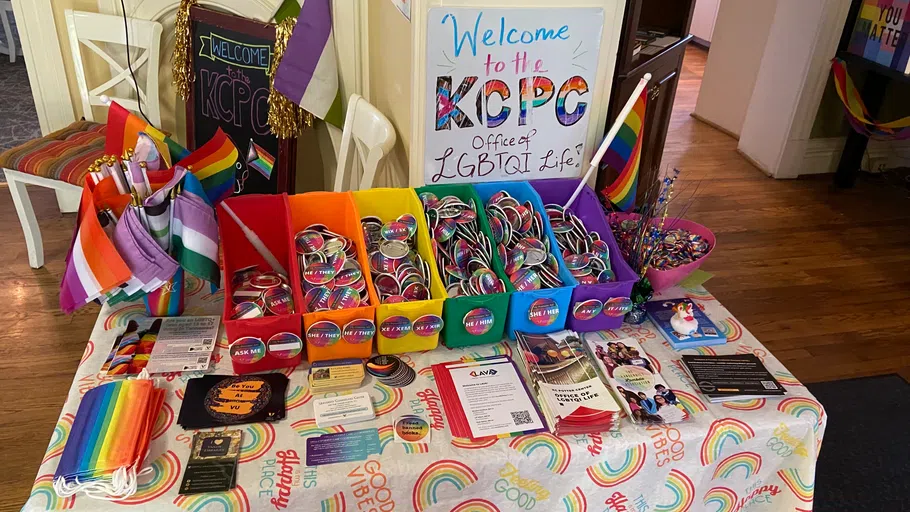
column 214, row 164
column 109, row 439
column 123, row 129
column 260, row 159
column 624, row 155
column 856, row 111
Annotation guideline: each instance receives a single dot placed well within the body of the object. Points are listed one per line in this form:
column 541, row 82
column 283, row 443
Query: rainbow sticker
column 395, row 327
column 608, row 475
column 558, row 450
column 478, row 321
column 683, row 492
column 543, row 312
column 428, row 325
column 617, row 306
column 285, row 345
column 588, row 309
column 359, row 330
column 323, row 334
column 438, row 476
column 722, row 497
column 411, row 429
column 247, row 350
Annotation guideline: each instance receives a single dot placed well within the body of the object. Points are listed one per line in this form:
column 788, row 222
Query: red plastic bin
column 269, row 217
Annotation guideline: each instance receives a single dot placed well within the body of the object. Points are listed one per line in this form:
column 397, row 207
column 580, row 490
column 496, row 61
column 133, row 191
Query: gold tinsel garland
column 286, row 118
column 182, row 58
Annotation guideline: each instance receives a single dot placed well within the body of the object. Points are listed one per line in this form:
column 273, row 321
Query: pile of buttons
column 331, row 277
column 679, row 247
column 463, row 254
column 399, row 273
column 391, row 371
column 257, row 294
column 518, row 232
column 587, row 256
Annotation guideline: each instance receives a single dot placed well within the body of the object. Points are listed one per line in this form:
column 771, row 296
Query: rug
column 865, row 458
column 18, row 119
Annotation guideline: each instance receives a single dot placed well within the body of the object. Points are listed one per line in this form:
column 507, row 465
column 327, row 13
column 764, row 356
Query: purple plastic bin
column 587, row 207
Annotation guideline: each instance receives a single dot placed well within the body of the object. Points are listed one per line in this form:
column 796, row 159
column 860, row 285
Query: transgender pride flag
column 308, row 73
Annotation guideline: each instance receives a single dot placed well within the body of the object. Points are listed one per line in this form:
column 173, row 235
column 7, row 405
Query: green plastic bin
column 455, row 310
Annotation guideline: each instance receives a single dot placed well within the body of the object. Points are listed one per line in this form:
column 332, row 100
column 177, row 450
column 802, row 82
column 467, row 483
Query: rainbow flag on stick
column 214, row 164
column 624, row 155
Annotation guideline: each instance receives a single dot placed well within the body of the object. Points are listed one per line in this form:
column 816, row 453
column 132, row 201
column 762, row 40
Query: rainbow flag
column 168, row 299
column 93, row 265
column 111, row 431
column 214, row 164
column 624, row 155
column 260, row 159
column 856, row 111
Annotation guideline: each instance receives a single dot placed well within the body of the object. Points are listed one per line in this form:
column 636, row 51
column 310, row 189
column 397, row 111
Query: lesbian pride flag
column 93, row 265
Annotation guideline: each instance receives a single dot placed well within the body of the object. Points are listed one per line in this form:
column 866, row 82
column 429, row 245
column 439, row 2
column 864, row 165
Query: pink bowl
column 663, row 279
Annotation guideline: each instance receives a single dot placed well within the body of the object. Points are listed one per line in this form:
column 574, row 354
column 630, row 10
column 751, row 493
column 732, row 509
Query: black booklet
column 734, row 377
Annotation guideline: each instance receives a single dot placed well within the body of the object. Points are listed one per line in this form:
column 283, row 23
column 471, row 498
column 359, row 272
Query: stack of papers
column 572, row 396
column 736, row 377
column 486, row 398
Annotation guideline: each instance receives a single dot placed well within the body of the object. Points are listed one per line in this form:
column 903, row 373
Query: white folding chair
column 6, row 7
column 373, row 136
column 60, row 159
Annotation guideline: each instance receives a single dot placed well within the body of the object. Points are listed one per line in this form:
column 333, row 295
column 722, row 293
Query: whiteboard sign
column 508, row 92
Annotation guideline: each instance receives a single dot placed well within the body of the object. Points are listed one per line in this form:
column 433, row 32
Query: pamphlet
column 343, row 409
column 165, row 344
column 734, row 377
column 640, row 389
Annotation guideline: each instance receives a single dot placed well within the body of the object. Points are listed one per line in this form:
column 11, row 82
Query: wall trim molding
column 44, row 62
column 821, row 156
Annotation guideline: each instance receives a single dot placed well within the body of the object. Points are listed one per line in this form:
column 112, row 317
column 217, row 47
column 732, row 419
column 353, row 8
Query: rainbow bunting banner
column 856, row 111
column 214, row 165
column 624, row 155
column 109, row 439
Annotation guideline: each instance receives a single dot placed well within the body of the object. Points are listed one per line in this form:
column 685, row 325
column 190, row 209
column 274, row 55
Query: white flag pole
column 617, row 124
column 256, row 242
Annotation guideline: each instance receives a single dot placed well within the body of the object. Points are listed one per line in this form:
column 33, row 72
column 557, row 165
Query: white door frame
column 44, row 62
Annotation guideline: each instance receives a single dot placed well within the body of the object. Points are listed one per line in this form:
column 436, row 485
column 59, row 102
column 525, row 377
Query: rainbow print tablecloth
column 755, row 455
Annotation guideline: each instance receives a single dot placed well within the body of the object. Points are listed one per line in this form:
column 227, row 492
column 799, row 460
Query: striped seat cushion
column 63, row 155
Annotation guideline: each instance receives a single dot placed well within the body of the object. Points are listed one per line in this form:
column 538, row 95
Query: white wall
column 737, row 46
column 703, row 19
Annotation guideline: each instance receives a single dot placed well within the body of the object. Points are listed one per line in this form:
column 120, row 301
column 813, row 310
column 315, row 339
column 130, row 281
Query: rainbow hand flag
column 214, row 164
column 260, row 159
column 123, row 129
column 624, row 155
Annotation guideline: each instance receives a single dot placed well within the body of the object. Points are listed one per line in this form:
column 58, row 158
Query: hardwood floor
column 819, row 276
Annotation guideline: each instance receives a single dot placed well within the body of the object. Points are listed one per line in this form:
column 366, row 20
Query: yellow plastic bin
column 336, row 211
column 388, row 204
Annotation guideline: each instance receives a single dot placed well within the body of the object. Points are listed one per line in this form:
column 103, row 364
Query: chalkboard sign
column 231, row 59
